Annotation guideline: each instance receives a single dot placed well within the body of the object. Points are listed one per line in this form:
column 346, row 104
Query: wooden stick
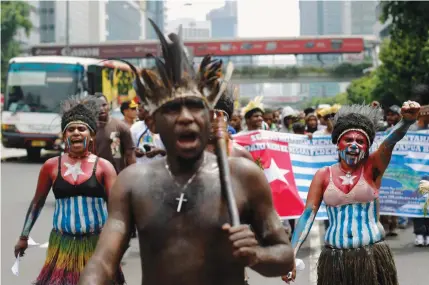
column 224, row 170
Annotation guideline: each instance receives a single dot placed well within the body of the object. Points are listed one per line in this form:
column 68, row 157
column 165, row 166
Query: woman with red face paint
column 80, row 182
column 355, row 252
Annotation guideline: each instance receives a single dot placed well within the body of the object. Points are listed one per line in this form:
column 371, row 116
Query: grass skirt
column 369, row 265
column 66, row 258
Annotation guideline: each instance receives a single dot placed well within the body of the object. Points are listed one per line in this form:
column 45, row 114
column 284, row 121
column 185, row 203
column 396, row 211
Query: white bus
column 37, row 85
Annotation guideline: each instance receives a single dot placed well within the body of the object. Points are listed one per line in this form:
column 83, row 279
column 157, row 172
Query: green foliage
column 361, row 90
column 405, row 57
column 14, row 16
column 340, row 98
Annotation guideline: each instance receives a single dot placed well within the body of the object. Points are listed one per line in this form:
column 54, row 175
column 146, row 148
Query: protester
column 354, row 254
column 148, row 144
column 311, row 123
column 269, row 120
column 235, row 121
column 421, row 225
column 81, row 184
column 327, row 114
column 288, row 117
column 298, row 128
column 129, row 111
column 188, row 240
column 253, row 113
column 113, row 141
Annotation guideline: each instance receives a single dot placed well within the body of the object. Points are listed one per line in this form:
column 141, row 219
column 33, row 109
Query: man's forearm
column 275, row 260
column 96, row 273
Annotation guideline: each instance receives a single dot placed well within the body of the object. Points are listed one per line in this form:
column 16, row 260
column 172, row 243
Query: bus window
column 41, row 87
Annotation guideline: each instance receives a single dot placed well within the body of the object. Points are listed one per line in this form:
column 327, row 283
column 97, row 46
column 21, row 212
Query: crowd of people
column 155, row 176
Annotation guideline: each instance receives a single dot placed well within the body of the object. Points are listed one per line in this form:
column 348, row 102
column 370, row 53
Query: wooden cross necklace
column 182, row 198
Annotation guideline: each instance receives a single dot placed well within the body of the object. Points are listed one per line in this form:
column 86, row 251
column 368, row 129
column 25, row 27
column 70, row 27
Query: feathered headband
column 174, row 77
column 252, row 105
column 210, row 77
column 80, row 109
column 362, row 118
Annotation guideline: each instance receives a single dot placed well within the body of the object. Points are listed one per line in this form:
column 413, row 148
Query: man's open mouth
column 187, row 140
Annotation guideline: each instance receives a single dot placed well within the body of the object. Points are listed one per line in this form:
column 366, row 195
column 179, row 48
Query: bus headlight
column 8, row 128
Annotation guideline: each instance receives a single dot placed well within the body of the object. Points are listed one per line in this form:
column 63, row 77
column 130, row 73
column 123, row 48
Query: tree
column 15, row 15
column 361, row 90
column 405, row 57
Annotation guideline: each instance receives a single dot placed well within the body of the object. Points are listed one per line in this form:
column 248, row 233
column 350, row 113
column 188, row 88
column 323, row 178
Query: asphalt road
column 18, row 182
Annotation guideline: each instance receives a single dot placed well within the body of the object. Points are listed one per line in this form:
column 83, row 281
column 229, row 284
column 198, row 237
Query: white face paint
column 352, row 147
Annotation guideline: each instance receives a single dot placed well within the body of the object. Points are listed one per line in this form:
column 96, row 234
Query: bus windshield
column 41, row 87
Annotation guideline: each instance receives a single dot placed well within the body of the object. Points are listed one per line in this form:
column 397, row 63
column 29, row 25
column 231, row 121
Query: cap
column 128, row 105
column 394, row 109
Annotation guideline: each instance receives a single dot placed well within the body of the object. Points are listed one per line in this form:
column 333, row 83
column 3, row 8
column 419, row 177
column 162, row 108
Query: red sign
column 218, row 48
column 275, row 159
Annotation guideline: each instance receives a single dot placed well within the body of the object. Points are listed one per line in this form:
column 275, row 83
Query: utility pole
column 67, row 27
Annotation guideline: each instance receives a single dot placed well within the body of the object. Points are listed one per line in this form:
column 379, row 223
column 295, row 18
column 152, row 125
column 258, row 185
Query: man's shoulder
column 243, row 167
column 147, row 170
column 118, row 124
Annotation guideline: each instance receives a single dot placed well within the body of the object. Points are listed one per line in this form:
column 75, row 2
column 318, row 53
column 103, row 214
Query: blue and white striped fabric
column 353, row 225
column 79, row 215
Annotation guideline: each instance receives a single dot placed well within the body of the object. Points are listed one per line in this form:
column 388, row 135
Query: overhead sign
column 140, row 49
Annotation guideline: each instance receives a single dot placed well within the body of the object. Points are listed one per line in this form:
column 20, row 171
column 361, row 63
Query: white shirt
column 143, row 136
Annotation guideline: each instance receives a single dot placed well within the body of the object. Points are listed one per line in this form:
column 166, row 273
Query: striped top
column 353, row 225
column 79, row 209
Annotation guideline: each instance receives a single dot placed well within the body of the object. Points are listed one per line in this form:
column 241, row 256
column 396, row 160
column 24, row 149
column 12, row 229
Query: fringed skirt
column 368, row 265
column 66, row 258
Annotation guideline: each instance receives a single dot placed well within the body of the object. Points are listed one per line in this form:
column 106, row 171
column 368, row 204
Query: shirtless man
column 177, row 202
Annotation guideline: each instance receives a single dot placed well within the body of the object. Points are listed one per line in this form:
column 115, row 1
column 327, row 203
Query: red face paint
column 352, row 147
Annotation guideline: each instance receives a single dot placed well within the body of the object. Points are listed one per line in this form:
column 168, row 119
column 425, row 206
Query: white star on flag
column 74, row 170
column 275, row 173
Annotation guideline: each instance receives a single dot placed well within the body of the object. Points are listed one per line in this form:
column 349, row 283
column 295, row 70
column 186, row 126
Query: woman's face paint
column 353, row 147
column 77, row 138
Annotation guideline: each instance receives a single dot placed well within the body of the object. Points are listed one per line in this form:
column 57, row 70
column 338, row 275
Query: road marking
column 315, row 247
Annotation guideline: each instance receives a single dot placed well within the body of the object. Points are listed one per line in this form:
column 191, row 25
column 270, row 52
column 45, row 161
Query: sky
column 256, row 18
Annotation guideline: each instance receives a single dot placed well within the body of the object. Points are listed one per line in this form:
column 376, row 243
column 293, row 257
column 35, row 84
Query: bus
column 37, row 85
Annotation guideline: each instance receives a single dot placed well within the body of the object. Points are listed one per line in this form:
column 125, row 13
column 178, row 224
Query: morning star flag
column 399, row 190
column 273, row 156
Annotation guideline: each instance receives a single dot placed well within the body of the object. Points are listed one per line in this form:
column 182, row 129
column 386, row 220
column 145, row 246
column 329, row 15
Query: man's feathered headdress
column 361, row 118
column 255, row 104
column 80, row 109
column 211, row 77
column 174, row 77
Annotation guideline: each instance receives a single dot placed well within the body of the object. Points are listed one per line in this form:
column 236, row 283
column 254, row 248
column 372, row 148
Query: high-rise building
column 90, row 21
column 335, row 18
column 224, row 20
column 155, row 10
column 191, row 29
column 381, row 30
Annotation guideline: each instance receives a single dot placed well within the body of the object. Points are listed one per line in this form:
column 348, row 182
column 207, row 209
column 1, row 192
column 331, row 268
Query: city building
column 91, row 21
column 156, row 11
column 224, row 21
column 381, row 30
column 335, row 18
column 191, row 29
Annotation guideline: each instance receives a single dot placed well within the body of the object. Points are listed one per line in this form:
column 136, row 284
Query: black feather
column 165, row 49
column 161, row 70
